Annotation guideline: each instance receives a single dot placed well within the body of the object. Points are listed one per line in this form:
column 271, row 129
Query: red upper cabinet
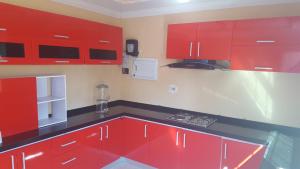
column 15, row 44
column 207, row 40
column 241, row 155
column 181, row 41
column 104, row 44
column 57, row 39
column 214, row 40
column 136, row 140
column 18, row 100
column 200, row 151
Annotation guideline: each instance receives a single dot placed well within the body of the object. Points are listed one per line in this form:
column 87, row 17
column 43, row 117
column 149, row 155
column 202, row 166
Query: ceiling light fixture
column 183, row 1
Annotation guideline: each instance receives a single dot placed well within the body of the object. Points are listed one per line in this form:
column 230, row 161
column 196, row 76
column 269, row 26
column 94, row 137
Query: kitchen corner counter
column 224, row 127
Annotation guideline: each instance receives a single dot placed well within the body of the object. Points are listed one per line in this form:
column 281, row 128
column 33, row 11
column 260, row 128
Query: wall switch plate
column 172, row 89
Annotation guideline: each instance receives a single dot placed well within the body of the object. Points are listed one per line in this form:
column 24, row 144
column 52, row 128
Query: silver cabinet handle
column 67, row 144
column 265, row 41
column 91, row 135
column 23, row 160
column 106, row 62
column 101, row 133
column 61, row 36
column 62, row 61
column 69, row 161
column 104, row 41
column 32, row 156
column 12, row 162
column 191, row 49
column 177, row 137
column 3, row 61
column 198, row 51
column 263, row 68
column 145, row 131
column 106, row 132
column 184, row 140
column 225, row 151
column 3, row 29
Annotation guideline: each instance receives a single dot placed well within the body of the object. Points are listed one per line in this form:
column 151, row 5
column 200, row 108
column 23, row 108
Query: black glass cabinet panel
column 58, row 52
column 99, row 54
column 12, row 50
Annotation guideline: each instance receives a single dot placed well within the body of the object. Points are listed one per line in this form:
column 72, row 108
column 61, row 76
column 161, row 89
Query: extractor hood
column 202, row 64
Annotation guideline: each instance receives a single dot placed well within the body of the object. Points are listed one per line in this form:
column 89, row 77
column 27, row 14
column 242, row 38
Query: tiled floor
column 124, row 163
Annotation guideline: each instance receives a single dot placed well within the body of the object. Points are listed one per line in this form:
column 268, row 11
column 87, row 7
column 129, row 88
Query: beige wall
column 266, row 97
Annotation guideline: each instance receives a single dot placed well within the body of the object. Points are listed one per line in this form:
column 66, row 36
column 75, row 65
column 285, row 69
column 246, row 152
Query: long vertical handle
column 225, row 151
column 101, row 133
column 191, row 49
column 198, row 50
column 145, row 130
column 12, row 162
column 23, row 160
column 177, row 137
column 184, row 140
column 106, row 132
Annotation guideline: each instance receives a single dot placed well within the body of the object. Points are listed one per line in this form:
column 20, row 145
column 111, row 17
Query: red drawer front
column 69, row 160
column 65, row 143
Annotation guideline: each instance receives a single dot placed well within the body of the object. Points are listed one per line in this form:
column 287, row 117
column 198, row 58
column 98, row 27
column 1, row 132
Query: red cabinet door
column 91, row 147
column 241, row 155
column 164, row 146
column 37, row 155
column 15, row 44
column 9, row 160
column 112, row 140
column 104, row 44
column 214, row 40
column 136, row 140
column 18, row 102
column 200, row 151
column 181, row 41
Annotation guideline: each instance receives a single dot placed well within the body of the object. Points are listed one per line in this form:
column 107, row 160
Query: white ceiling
column 138, row 8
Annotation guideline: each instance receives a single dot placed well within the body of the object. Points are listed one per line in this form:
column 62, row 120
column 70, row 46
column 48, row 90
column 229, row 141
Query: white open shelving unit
column 51, row 94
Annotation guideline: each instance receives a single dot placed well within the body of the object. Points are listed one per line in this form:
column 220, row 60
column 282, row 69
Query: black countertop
column 225, row 127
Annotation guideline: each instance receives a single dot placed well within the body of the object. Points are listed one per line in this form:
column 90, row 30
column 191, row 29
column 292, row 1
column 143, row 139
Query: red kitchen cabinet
column 200, row 151
column 136, row 140
column 181, row 41
column 164, row 146
column 112, row 140
column 8, row 160
column 241, row 155
column 214, row 40
column 18, row 97
column 104, row 45
column 15, row 44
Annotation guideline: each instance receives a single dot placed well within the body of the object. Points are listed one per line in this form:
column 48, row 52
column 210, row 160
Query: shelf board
column 48, row 99
column 50, row 121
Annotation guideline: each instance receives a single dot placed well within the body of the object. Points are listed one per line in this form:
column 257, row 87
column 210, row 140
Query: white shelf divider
column 52, row 105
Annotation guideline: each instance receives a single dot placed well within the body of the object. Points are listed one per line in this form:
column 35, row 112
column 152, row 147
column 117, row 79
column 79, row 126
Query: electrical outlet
column 172, row 89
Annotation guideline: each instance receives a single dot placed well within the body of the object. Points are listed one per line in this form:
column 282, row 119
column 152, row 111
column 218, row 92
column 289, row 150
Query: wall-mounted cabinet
column 45, row 38
column 51, row 94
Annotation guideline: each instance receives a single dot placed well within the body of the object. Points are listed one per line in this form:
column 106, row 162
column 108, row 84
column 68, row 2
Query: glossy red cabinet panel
column 200, row 151
column 104, row 45
column 18, row 97
column 9, row 160
column 181, row 41
column 65, row 143
column 164, row 146
column 112, row 139
column 69, row 160
column 241, row 155
column 136, row 140
column 214, row 40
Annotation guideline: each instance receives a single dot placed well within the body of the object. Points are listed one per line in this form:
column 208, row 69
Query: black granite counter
column 275, row 138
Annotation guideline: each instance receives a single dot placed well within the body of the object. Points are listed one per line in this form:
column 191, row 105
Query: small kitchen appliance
column 102, row 98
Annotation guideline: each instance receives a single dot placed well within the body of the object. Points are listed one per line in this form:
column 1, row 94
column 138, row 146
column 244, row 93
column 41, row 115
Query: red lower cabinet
column 112, row 140
column 239, row 155
column 200, row 151
column 164, row 146
column 8, row 160
column 136, row 140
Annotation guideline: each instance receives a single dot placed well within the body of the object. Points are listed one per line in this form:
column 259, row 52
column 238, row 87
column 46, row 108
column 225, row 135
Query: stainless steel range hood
column 202, row 64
